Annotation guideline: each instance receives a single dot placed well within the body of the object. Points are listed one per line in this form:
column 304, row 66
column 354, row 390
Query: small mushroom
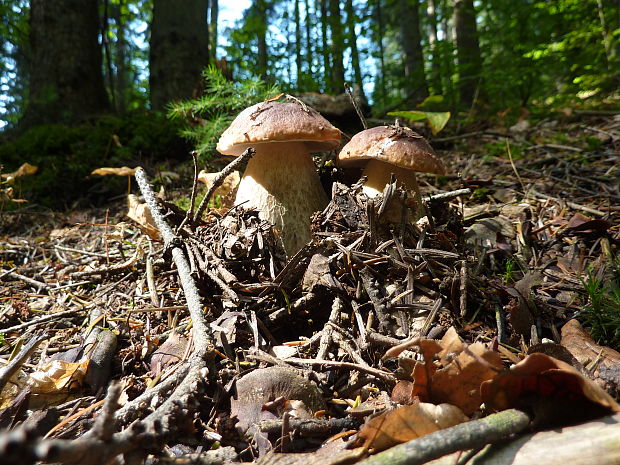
column 280, row 180
column 384, row 150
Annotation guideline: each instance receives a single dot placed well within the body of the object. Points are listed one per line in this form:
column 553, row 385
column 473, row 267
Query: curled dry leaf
column 226, row 189
column 455, row 378
column 602, row 362
column 57, row 376
column 459, row 381
column 122, row 171
column 23, row 170
column 169, row 353
column 408, row 422
column 141, row 214
column 552, row 389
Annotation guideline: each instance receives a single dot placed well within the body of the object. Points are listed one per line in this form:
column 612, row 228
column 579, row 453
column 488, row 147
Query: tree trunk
column 355, row 58
column 179, row 50
column 448, row 66
column 120, row 58
column 380, row 79
column 214, row 15
column 66, row 80
column 327, row 68
column 298, row 43
column 467, row 51
column 435, row 81
column 309, row 51
column 411, row 42
column 261, row 37
column 337, row 47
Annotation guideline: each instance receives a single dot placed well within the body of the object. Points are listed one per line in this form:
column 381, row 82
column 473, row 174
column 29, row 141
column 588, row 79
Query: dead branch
column 469, row 435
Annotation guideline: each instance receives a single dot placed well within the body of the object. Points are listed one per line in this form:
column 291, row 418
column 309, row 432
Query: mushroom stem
column 378, row 175
column 282, row 183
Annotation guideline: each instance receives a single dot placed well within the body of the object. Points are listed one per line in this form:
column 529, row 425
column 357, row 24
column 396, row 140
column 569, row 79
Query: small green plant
column 208, row 116
column 601, row 314
column 437, row 120
column 510, row 272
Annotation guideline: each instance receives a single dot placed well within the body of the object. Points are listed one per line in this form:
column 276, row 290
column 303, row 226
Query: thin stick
column 469, row 435
column 244, row 157
column 22, row 356
column 349, row 92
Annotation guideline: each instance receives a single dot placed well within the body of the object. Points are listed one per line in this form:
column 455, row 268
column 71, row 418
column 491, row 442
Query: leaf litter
column 397, row 330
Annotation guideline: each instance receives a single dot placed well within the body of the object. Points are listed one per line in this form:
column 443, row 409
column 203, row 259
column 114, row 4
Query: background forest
column 92, row 80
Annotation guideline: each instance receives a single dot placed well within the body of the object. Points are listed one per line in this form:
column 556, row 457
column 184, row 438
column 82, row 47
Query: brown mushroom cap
column 398, row 146
column 269, row 122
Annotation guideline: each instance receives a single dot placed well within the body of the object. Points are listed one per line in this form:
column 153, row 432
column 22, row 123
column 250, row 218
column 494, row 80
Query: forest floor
column 388, row 327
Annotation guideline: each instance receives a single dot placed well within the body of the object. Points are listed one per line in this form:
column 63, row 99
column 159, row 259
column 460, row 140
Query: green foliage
column 208, row 116
column 601, row 314
column 511, row 271
column 66, row 156
column 14, row 52
column 437, row 120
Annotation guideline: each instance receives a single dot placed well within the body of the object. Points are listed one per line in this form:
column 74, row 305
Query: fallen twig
column 244, row 157
column 10, row 369
column 469, row 435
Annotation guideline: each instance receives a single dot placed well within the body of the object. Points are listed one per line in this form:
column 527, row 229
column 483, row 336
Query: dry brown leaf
column 58, row 376
column 169, row 353
column 225, row 189
column 23, row 170
column 122, row 171
column 451, row 344
column 550, row 387
column 602, row 362
column 141, row 214
column 455, row 379
column 408, row 422
column 459, row 382
column 7, row 195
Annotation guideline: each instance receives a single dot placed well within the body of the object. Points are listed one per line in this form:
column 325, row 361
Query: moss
column 66, row 155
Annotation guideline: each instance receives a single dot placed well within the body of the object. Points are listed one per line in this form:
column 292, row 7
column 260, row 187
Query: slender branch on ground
column 244, row 157
column 14, row 365
column 41, row 320
column 469, row 435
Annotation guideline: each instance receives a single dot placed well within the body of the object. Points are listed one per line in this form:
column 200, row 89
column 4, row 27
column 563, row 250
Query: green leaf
column 437, row 120
column 431, row 100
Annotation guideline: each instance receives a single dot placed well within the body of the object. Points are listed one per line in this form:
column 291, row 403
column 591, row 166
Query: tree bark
column 179, row 50
column 309, row 49
column 214, row 15
column 298, row 43
column 261, row 37
column 435, row 81
column 337, row 47
column 327, row 68
column 355, row 58
column 66, row 79
column 380, row 79
column 412, row 47
column 467, row 50
column 120, row 58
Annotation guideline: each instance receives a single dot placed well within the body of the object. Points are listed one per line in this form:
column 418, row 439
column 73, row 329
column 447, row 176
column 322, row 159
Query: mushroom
column 281, row 180
column 384, row 150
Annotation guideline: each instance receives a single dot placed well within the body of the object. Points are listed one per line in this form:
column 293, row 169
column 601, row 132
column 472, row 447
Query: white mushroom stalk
column 281, row 182
column 378, row 174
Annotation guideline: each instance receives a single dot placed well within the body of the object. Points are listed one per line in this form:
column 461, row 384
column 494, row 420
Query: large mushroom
column 384, row 150
column 281, row 180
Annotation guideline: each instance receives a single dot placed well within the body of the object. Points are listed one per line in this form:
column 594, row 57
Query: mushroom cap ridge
column 273, row 121
column 399, row 146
